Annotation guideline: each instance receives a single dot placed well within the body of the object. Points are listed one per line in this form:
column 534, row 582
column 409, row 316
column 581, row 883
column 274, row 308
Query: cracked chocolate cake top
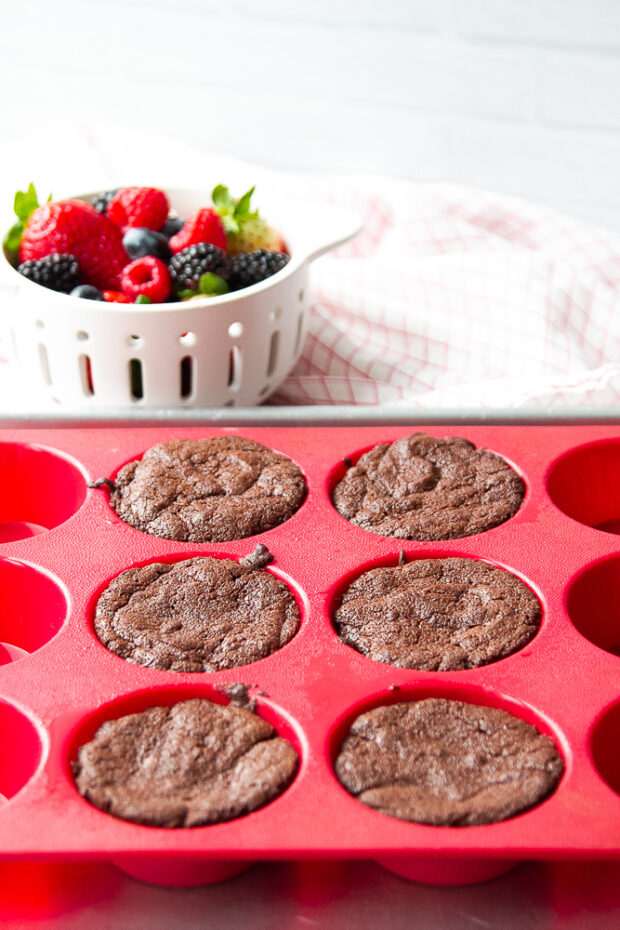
column 208, row 490
column 188, row 765
column 424, row 488
column 447, row 763
column 438, row 614
column 197, row 615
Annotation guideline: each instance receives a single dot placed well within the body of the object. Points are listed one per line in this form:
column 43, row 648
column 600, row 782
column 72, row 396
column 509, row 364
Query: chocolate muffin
column 199, row 615
column 447, row 763
column 188, row 765
column 208, row 490
column 424, row 488
column 437, row 614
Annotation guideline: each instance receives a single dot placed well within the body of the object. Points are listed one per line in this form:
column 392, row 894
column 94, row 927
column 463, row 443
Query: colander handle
column 329, row 226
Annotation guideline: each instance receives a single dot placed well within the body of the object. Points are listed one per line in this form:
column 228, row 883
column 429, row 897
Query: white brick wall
column 581, row 89
column 518, row 95
column 559, row 23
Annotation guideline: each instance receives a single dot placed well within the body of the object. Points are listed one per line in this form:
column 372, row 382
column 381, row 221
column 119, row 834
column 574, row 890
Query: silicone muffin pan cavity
column 61, row 544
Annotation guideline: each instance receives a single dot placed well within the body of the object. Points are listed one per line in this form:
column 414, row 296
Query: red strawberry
column 116, row 297
column 146, row 277
column 204, row 226
column 139, row 206
column 76, row 228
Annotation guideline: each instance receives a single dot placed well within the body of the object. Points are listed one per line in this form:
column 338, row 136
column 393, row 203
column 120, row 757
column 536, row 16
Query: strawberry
column 76, row 228
column 246, row 231
column 253, row 235
column 138, row 206
column 204, row 226
column 116, row 297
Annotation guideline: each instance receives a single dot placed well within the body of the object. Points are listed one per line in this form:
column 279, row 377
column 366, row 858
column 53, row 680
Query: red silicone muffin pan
column 60, row 544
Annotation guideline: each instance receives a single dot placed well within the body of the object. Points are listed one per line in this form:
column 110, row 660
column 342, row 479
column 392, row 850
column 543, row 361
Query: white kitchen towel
column 449, row 297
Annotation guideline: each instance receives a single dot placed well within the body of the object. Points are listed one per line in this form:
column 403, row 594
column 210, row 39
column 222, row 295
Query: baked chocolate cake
column 208, row 490
column 425, row 488
column 447, row 763
column 198, row 615
column 188, row 765
column 437, row 614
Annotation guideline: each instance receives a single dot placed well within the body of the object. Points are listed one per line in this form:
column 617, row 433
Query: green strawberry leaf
column 25, row 203
column 242, row 210
column 143, row 299
column 243, row 204
column 221, row 198
column 234, row 213
column 211, row 284
column 230, row 224
column 12, row 240
column 225, row 206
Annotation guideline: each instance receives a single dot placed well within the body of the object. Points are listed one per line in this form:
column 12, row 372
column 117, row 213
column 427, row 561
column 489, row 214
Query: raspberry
column 139, row 206
column 187, row 266
column 116, row 297
column 56, row 271
column 249, row 268
column 76, row 228
column 146, row 276
column 204, row 226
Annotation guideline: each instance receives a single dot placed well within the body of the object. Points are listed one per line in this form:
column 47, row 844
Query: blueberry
column 139, row 241
column 87, row 291
column 172, row 226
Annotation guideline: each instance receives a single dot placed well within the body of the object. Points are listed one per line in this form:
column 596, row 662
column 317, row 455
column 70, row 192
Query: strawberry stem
column 234, row 213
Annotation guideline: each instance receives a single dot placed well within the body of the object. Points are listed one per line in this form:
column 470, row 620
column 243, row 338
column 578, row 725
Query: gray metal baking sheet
column 311, row 416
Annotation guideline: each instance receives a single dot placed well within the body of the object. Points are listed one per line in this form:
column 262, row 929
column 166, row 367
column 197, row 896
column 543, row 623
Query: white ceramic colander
column 230, row 351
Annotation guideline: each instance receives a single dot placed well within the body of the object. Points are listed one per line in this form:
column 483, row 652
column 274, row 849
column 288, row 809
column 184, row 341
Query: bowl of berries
column 175, row 298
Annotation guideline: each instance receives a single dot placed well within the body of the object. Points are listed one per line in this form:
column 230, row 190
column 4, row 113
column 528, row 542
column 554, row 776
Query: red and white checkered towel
column 457, row 297
column 449, row 297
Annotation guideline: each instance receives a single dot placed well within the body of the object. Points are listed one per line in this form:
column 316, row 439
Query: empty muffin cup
column 39, row 490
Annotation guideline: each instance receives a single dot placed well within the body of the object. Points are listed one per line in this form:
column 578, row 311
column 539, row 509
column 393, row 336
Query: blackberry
column 56, row 271
column 247, row 268
column 101, row 201
column 186, row 267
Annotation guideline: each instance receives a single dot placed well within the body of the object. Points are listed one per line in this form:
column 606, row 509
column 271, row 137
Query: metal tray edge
column 313, row 415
